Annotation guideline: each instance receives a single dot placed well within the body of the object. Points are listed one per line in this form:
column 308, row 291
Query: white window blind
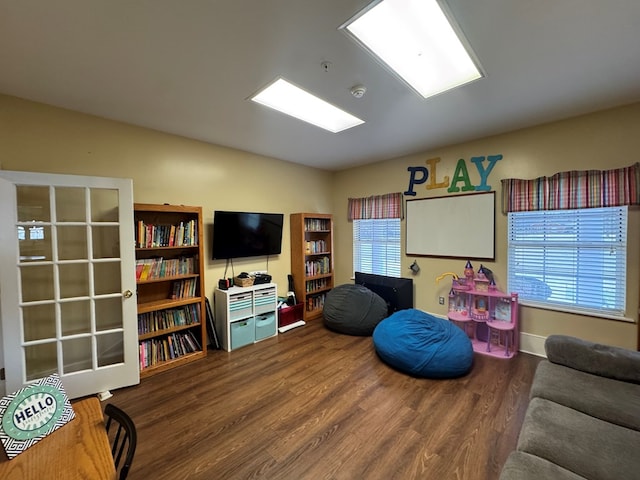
column 573, row 260
column 376, row 246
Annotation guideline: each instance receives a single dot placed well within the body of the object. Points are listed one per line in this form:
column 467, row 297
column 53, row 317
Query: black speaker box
column 261, row 278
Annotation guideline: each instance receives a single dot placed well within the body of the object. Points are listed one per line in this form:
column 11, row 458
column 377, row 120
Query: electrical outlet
column 441, row 300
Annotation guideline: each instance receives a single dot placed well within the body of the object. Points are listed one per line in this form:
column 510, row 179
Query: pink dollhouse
column 487, row 315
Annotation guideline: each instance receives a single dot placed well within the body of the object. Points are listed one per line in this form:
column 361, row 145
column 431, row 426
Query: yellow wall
column 607, row 139
column 165, row 169
column 171, row 169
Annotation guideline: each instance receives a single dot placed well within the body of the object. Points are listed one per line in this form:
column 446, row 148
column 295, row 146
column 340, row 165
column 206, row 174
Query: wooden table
column 78, row 450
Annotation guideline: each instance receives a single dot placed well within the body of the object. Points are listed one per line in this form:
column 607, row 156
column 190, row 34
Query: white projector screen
column 460, row 226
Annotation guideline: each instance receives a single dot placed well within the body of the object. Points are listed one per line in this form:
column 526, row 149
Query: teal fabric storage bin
column 265, row 325
column 242, row 333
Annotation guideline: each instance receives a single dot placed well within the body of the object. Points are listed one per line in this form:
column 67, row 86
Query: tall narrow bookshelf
column 170, row 286
column 311, row 260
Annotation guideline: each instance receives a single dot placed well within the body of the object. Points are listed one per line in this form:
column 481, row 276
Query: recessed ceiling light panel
column 417, row 41
column 285, row 97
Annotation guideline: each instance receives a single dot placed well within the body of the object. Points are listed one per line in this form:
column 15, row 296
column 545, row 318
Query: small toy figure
column 468, row 275
column 468, row 272
column 452, row 300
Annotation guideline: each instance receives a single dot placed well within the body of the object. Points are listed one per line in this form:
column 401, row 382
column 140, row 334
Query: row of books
column 150, row 236
column 318, row 267
column 317, row 284
column 316, row 246
column 175, row 345
column 184, row 288
column 169, row 318
column 149, row 268
column 316, row 225
column 315, row 302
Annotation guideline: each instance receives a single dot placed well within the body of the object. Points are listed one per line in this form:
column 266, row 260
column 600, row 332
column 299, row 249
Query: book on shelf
column 184, row 288
column 175, row 345
column 316, row 224
column 158, row 320
column 153, row 236
column 315, row 246
column 159, row 267
column 318, row 267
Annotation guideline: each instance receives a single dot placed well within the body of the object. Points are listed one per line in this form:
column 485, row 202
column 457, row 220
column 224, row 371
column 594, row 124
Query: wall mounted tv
column 246, row 234
column 396, row 291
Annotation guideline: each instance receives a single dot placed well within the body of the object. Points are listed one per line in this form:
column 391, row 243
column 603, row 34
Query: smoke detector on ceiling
column 358, row 91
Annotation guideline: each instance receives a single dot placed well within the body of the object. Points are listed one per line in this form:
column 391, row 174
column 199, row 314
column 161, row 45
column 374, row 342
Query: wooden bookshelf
column 311, row 260
column 170, row 286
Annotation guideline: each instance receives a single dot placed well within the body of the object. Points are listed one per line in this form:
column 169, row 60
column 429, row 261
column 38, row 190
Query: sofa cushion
column 585, row 445
column 595, row 358
column 523, row 466
column 604, row 398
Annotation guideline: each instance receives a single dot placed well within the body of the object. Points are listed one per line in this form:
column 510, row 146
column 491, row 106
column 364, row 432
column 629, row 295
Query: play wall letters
column 420, row 175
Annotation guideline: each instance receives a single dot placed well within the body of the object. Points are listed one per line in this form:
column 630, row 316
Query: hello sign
column 32, row 413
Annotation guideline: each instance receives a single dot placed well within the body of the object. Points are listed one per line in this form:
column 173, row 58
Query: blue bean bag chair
column 353, row 310
column 422, row 345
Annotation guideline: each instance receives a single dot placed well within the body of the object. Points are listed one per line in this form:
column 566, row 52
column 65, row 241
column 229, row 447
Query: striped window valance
column 377, row 207
column 573, row 190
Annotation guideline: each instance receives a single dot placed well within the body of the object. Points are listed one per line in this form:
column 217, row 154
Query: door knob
column 128, row 294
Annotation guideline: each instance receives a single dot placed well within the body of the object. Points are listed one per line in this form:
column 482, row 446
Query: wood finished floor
column 313, row 404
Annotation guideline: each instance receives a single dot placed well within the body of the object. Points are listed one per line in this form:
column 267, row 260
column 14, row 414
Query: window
column 376, row 246
column 572, row 260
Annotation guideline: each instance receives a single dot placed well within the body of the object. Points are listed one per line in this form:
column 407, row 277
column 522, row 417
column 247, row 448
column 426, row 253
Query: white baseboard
column 533, row 344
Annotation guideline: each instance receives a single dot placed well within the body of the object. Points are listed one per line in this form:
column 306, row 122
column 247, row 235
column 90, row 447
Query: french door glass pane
column 106, row 277
column 108, row 313
column 70, row 204
column 75, row 317
column 35, row 243
column 72, row 242
column 110, row 348
column 104, row 205
column 74, row 280
column 106, row 242
column 76, row 354
column 33, row 203
column 41, row 360
column 39, row 321
column 36, row 282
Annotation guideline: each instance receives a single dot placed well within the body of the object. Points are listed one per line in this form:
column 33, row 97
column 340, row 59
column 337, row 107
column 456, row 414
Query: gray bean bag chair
column 353, row 310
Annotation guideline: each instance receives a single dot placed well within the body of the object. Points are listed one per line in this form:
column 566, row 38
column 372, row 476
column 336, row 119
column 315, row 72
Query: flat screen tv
column 397, row 292
column 246, row 234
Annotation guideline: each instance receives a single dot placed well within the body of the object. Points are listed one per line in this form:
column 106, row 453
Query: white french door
column 67, row 281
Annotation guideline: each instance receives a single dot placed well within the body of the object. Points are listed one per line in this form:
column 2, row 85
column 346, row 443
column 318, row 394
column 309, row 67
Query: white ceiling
column 188, row 66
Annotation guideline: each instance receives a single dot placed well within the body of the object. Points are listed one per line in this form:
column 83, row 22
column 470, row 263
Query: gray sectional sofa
column 583, row 419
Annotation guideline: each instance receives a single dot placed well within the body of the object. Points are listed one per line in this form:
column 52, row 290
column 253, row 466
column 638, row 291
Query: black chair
column 122, row 436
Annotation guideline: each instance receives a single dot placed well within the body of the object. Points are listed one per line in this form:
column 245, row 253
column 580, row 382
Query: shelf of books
column 312, row 260
column 170, row 286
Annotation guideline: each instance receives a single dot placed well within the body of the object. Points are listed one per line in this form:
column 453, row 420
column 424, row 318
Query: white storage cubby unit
column 245, row 315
